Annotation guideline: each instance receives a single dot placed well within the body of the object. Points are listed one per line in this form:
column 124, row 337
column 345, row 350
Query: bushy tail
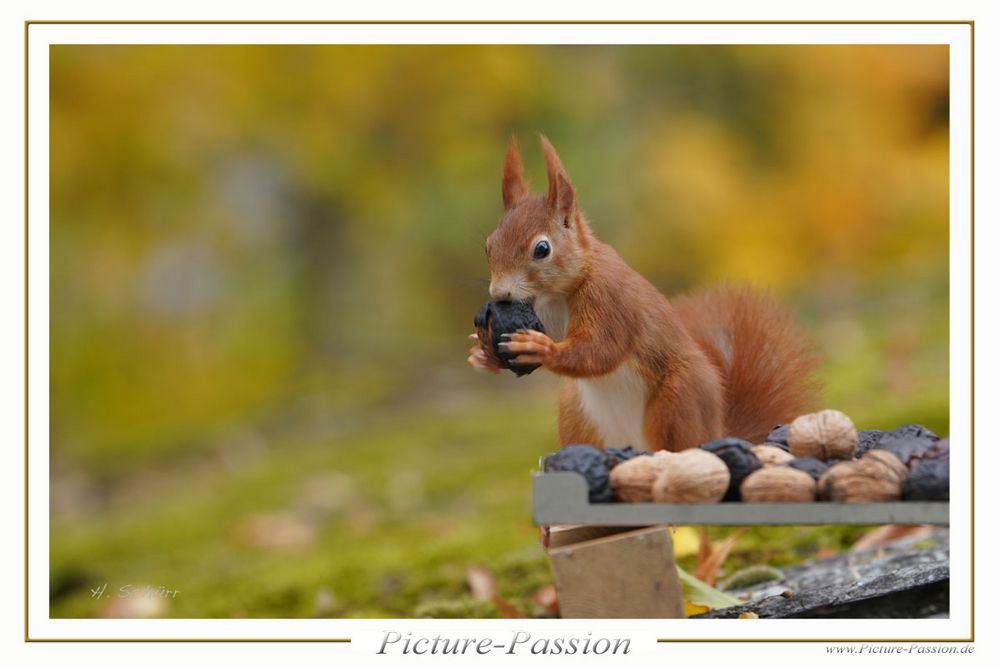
column 767, row 366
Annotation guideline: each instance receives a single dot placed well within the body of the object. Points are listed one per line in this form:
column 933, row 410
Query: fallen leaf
column 885, row 534
column 692, row 609
column 697, row 592
column 708, row 569
column 506, row 609
column 324, row 601
column 748, row 614
column 141, row 602
column 480, row 582
column 483, row 587
column 685, row 540
column 279, row 531
column 704, row 548
column 547, row 598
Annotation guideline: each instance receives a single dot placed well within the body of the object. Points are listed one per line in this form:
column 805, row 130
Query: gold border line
column 970, row 23
column 814, row 640
column 195, row 640
column 495, row 22
column 972, row 332
column 26, row 638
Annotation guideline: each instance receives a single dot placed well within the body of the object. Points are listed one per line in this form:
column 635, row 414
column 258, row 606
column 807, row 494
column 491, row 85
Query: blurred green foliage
column 264, row 260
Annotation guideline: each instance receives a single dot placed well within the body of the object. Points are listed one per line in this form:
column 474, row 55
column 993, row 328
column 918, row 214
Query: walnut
column 691, row 476
column 632, row 480
column 497, row 318
column 928, row 480
column 893, row 467
column 778, row 484
column 825, row 435
column 588, row 462
column 874, row 478
column 808, row 464
column 770, row 455
column 739, row 458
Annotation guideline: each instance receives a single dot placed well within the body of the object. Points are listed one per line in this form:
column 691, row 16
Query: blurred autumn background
column 265, row 261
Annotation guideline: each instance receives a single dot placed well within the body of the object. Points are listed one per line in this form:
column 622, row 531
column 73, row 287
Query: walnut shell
column 928, row 480
column 778, row 484
column 771, row 455
column 876, row 477
column 632, row 480
column 496, row 318
column 691, row 476
column 738, row 456
column 825, row 435
column 890, row 464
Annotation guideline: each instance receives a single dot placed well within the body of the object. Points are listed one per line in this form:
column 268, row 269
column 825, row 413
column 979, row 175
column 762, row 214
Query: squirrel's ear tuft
column 515, row 187
column 561, row 197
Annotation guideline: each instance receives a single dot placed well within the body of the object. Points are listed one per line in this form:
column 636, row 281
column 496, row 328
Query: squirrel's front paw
column 478, row 359
column 531, row 347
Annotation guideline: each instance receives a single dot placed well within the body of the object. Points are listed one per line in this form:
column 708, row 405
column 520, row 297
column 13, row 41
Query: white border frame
column 367, row 632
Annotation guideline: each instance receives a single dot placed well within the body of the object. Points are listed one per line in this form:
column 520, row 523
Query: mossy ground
column 259, row 394
column 378, row 513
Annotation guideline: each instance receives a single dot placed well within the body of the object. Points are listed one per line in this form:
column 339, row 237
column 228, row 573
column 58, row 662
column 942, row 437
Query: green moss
column 465, row 607
column 416, row 497
column 424, row 504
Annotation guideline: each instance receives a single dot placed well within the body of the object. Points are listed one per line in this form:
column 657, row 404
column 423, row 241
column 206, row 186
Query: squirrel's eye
column 542, row 250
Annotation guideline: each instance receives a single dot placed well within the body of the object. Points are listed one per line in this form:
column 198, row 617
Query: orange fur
column 723, row 362
column 767, row 365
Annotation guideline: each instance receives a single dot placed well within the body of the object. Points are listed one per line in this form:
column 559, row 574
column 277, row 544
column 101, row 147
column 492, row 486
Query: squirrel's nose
column 499, row 292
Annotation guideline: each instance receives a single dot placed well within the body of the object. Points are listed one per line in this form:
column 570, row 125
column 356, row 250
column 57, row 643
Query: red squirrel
column 637, row 369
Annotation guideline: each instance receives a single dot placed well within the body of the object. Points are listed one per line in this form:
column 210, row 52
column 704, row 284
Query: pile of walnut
column 819, row 456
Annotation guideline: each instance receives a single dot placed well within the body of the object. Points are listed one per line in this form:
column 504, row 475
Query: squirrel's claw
column 478, row 360
column 532, row 347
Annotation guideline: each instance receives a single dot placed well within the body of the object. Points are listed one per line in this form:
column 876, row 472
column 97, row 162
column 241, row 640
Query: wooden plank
column 561, row 498
column 891, row 581
column 625, row 575
column 560, row 536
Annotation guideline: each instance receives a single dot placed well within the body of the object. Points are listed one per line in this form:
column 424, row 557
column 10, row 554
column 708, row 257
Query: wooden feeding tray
column 630, row 545
column 561, row 498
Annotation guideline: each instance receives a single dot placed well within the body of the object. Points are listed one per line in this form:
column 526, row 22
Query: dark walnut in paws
column 497, row 318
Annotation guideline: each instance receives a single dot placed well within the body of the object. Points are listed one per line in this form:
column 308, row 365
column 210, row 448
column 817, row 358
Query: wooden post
column 628, row 574
column 560, row 536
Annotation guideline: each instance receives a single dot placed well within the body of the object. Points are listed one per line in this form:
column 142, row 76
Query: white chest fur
column 554, row 314
column 615, row 404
